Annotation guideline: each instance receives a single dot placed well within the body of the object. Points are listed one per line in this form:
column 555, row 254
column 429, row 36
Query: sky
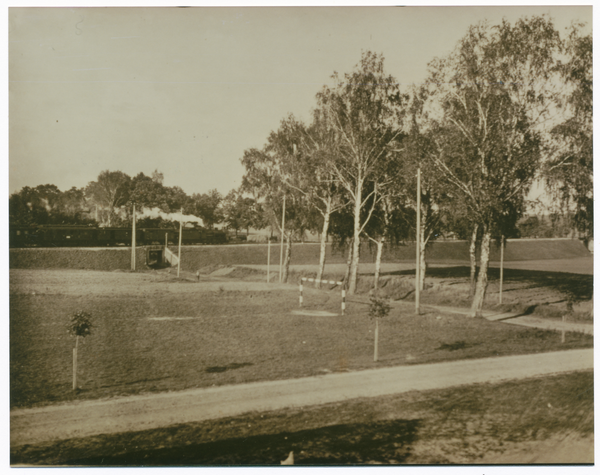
column 187, row 90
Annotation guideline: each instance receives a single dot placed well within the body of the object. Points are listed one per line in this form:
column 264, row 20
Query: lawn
column 187, row 337
column 539, row 420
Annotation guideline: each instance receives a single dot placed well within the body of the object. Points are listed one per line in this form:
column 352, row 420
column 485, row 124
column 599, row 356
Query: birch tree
column 417, row 152
column 364, row 109
column 569, row 172
column 495, row 91
column 305, row 152
column 267, row 178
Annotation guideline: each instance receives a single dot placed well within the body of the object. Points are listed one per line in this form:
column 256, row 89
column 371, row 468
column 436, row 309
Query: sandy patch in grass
column 314, row 313
column 172, row 318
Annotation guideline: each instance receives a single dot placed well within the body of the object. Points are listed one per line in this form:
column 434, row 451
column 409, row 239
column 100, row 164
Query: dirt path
column 86, row 418
column 578, row 265
column 522, row 320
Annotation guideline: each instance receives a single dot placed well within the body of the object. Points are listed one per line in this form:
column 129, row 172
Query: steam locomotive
column 80, row 236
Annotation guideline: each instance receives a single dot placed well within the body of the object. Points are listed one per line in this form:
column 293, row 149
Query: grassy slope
column 196, row 257
column 468, row 424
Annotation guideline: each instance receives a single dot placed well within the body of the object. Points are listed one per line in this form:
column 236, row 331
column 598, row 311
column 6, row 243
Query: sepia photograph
column 266, row 236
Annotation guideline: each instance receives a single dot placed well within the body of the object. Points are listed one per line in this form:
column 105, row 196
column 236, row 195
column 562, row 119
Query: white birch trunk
column 323, row 249
column 422, row 268
column 473, row 259
column 378, row 262
column 356, row 240
column 482, row 279
column 287, row 258
column 348, row 263
column 422, row 261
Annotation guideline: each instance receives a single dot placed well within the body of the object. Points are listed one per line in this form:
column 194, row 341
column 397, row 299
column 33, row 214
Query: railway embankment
column 197, row 257
column 106, row 259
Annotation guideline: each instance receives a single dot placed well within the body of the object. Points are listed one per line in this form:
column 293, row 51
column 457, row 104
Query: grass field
column 541, row 420
column 153, row 332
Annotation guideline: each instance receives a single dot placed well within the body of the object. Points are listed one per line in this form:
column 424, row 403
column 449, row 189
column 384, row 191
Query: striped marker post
column 332, row 282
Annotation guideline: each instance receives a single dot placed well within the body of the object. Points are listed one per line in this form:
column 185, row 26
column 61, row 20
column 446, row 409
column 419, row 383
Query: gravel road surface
column 86, row 418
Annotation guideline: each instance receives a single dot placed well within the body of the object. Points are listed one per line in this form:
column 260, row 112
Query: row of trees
column 511, row 102
column 108, row 200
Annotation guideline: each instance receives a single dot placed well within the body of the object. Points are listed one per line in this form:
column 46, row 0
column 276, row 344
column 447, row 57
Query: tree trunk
column 348, row 262
column 473, row 259
column 378, row 263
column 423, row 268
column 287, row 258
column 355, row 242
column 324, row 232
column 422, row 262
column 482, row 280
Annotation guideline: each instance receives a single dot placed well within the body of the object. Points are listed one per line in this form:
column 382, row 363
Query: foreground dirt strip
column 86, row 418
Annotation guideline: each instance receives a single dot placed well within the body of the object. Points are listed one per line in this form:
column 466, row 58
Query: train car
column 148, row 236
column 58, row 236
column 193, row 236
column 23, row 236
column 215, row 236
column 113, row 236
column 78, row 236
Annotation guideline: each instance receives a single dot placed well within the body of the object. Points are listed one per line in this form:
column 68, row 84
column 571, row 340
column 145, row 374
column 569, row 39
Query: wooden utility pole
column 179, row 251
column 418, row 245
column 133, row 241
column 501, row 266
column 281, row 246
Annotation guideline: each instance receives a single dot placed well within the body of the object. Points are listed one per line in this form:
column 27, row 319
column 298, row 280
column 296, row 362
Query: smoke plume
column 157, row 213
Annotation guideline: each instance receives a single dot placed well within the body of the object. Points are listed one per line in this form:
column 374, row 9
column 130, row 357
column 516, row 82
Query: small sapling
column 378, row 308
column 79, row 326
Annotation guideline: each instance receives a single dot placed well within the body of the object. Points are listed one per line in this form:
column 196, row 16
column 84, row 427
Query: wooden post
column 268, row 259
column 562, row 338
column 418, row 245
column 501, row 266
column 281, row 246
column 133, row 241
column 179, row 251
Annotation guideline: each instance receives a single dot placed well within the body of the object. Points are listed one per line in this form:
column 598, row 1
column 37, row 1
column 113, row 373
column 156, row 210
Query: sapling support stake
column 75, row 363
column 376, row 354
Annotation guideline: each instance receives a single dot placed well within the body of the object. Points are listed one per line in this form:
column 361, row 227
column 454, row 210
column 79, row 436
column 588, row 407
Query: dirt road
column 578, row 265
column 58, row 422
